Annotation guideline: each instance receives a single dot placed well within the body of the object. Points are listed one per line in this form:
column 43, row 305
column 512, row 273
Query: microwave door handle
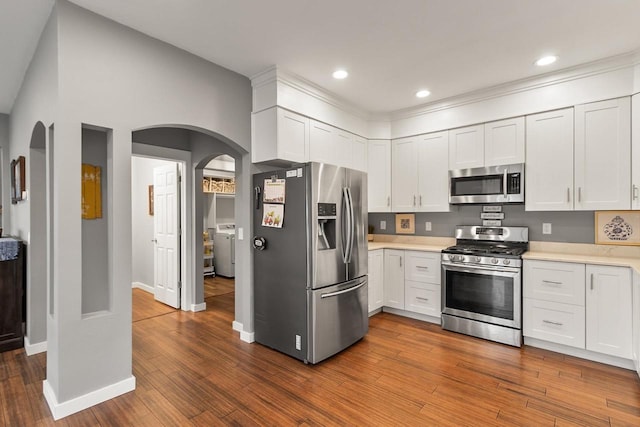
column 504, row 184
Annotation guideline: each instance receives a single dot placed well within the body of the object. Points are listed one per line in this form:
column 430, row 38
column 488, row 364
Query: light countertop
column 620, row 256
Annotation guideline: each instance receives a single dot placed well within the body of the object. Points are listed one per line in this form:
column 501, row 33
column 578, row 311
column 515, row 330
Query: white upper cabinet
column 379, row 175
column 549, row 167
column 635, row 152
column 504, row 142
column 323, row 143
column 608, row 308
column 279, row 135
column 602, row 155
column 466, row 147
column 328, row 144
column 359, row 153
column 433, row 173
column 404, row 182
column 420, row 173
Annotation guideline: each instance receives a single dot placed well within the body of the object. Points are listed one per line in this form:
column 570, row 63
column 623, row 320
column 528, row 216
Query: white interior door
column 166, row 221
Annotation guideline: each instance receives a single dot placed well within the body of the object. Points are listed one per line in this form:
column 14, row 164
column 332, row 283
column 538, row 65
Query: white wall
column 4, row 166
column 142, row 245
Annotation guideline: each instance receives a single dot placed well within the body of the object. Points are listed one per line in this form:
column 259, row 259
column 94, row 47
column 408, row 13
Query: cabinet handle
column 421, row 200
column 579, row 194
column 388, row 201
column 551, row 282
column 549, row 322
column 400, row 258
column 414, row 200
column 422, row 299
column 568, row 194
column 591, row 281
column 422, row 266
column 635, row 192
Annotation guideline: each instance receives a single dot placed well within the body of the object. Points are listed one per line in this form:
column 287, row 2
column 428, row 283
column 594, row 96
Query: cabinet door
column 422, row 266
column 466, row 147
column 323, row 143
column 608, row 310
column 554, row 281
column 504, row 142
column 635, row 152
column 549, row 168
column 394, row 278
column 404, row 172
column 602, row 152
column 278, row 134
column 379, row 176
column 635, row 342
column 376, row 277
column 554, row 322
column 433, row 172
column 343, row 156
column 359, row 154
column 422, row 298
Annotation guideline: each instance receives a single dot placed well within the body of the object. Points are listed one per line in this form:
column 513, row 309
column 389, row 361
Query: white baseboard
column 77, row 404
column 143, row 286
column 199, row 307
column 36, row 348
column 244, row 336
column 581, row 353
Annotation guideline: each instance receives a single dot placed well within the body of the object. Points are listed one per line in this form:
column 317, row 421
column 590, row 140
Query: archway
column 36, row 306
column 202, row 145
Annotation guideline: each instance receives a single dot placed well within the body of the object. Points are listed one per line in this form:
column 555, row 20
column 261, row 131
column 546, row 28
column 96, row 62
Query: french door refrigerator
column 310, row 260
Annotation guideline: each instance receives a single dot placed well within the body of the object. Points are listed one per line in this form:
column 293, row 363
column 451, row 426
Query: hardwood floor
column 192, row 369
column 218, row 285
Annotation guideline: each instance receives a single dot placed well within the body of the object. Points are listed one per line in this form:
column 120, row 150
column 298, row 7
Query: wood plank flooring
column 192, row 370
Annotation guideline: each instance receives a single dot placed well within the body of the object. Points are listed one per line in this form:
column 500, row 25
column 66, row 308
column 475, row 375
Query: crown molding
column 601, row 66
column 311, row 89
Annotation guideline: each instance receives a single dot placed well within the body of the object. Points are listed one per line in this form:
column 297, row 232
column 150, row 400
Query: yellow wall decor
column 91, row 192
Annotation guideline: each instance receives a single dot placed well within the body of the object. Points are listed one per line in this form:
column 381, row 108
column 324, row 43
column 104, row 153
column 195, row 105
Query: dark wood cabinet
column 11, row 302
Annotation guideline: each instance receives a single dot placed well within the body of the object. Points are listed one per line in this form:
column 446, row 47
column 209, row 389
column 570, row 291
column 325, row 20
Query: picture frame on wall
column 18, row 187
column 617, row 228
column 405, row 223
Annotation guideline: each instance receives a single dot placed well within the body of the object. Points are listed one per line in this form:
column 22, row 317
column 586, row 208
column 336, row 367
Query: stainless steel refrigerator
column 310, row 260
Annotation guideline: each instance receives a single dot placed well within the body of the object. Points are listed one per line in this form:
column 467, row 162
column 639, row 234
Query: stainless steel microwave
column 493, row 184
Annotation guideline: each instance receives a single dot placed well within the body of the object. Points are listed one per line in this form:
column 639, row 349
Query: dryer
column 224, row 248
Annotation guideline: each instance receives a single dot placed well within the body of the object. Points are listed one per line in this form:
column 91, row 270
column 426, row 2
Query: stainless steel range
column 482, row 283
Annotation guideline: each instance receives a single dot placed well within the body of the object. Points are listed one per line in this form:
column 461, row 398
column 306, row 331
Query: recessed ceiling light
column 546, row 60
column 423, row 93
column 340, row 74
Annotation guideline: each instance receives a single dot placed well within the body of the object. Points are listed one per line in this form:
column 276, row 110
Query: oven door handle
column 475, row 268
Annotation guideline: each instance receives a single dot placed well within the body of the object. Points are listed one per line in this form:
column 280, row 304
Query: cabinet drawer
column 422, row 267
column 554, row 281
column 555, row 322
column 422, row 298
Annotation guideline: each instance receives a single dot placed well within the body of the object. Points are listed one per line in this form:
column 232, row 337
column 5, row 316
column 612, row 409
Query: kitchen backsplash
column 571, row 227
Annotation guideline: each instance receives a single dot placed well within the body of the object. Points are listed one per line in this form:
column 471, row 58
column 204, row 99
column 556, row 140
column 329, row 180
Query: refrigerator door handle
column 346, row 225
column 344, row 291
column 352, row 225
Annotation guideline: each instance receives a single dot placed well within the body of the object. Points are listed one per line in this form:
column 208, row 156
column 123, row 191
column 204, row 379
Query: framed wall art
column 617, row 228
column 405, row 223
column 18, row 186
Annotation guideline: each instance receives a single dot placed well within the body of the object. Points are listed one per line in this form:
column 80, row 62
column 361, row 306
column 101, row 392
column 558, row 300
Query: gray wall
column 95, row 232
column 571, row 227
column 141, row 221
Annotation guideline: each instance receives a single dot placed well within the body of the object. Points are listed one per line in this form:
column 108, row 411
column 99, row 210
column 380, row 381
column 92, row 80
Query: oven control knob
column 477, row 259
column 494, row 260
column 506, row 262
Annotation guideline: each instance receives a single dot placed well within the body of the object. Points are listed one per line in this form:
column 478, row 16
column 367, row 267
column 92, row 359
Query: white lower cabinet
column 394, row 278
column 376, row 278
column 608, row 306
column 635, row 342
column 583, row 306
column 423, row 298
column 555, row 322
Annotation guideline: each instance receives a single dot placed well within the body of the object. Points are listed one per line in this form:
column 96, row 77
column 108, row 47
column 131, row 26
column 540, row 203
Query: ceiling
column 390, row 48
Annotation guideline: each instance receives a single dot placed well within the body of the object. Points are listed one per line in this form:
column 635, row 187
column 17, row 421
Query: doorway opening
column 219, row 226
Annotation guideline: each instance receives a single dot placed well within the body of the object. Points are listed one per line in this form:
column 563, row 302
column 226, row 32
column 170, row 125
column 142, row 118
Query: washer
column 224, row 248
